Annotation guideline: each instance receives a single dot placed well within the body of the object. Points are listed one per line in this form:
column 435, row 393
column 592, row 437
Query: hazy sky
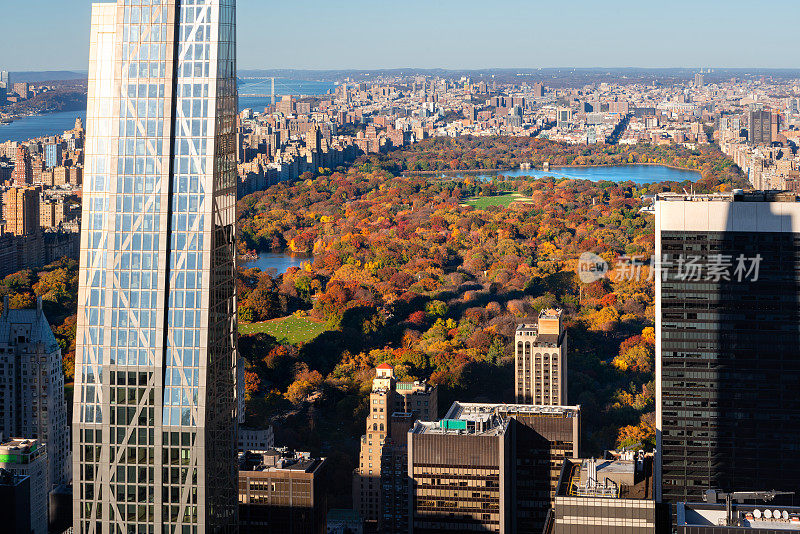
column 333, row 34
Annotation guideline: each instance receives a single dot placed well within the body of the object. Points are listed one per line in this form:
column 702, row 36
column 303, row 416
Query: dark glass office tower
column 155, row 409
column 728, row 343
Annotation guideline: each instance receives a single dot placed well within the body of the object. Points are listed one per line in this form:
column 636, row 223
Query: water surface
column 639, row 174
column 36, row 126
column 275, row 260
column 56, row 123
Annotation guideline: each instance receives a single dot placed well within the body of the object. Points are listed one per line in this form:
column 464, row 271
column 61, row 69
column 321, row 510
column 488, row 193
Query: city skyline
column 235, row 304
column 446, row 35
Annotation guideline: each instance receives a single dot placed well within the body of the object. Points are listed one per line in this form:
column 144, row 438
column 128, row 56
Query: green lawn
column 502, row 199
column 292, row 330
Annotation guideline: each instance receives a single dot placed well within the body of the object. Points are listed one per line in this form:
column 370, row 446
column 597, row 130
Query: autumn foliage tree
column 637, row 353
column 643, row 433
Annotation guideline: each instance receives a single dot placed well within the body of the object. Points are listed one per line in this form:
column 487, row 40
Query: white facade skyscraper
column 155, row 408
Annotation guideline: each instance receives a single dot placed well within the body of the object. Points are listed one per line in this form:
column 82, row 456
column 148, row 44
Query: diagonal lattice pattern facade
column 155, row 409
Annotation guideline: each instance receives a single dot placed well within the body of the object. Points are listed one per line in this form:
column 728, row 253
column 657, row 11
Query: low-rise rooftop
column 420, row 386
column 20, row 450
column 621, row 477
column 278, row 460
column 737, row 195
column 487, row 419
column 465, row 410
column 765, row 517
column 488, row 426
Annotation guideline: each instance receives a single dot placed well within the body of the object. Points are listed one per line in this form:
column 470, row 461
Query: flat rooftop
column 275, row 460
column 607, row 478
column 734, row 196
column 20, row 450
column 489, row 426
column 531, row 324
column 746, row 516
column 487, row 419
column 419, row 386
column 467, row 410
column 528, row 325
column 20, row 444
column 611, row 469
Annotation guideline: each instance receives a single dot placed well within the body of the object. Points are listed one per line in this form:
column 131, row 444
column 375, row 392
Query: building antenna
column 273, row 91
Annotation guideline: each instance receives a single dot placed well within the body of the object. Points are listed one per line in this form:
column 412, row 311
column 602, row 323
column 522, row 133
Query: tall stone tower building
column 392, row 405
column 540, row 369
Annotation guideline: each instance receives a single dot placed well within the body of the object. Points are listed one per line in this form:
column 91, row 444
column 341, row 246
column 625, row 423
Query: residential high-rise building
column 793, row 106
column 52, row 155
column 286, row 105
column 564, row 117
column 52, row 212
column 155, row 372
column 366, row 480
column 526, row 446
column 28, row 457
column 32, row 390
column 313, row 138
column 759, row 128
column 540, row 370
column 727, row 358
column 389, row 398
column 776, row 124
column 282, row 491
column 22, row 89
column 699, row 79
column 621, row 107
column 21, row 210
column 5, row 86
column 23, row 172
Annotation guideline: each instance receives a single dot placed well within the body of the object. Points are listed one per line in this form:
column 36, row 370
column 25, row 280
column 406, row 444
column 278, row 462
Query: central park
column 404, row 263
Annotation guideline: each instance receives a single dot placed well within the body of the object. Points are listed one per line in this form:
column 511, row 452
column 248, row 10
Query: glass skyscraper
column 154, row 407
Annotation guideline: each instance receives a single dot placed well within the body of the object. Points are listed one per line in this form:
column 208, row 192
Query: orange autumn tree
column 251, row 383
column 644, row 433
column 637, row 353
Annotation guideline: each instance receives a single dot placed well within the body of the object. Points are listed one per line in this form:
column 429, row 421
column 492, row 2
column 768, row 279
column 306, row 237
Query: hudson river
column 57, row 123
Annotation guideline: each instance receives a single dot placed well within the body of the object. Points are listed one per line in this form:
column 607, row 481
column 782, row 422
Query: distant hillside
column 552, row 77
column 46, row 76
column 59, row 99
